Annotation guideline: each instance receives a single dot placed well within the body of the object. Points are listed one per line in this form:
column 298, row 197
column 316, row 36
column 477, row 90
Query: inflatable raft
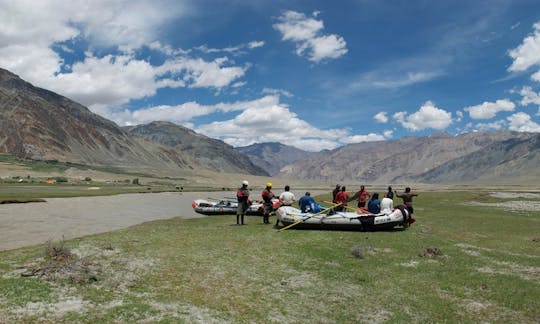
column 345, row 220
column 222, row 207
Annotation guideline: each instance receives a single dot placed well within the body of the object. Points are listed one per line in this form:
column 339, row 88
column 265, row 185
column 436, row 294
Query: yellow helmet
column 269, row 184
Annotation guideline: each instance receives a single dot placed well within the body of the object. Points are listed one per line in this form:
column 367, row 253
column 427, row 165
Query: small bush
column 57, row 251
column 358, row 252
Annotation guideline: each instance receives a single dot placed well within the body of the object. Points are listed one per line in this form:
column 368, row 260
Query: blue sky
column 313, row 74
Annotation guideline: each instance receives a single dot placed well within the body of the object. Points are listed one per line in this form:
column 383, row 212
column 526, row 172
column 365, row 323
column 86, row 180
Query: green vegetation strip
column 457, row 263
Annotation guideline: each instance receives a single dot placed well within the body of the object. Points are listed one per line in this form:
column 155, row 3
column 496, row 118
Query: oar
column 304, row 219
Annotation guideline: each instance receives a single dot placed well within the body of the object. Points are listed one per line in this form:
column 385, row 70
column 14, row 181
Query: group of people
column 286, row 198
column 340, row 197
column 374, row 205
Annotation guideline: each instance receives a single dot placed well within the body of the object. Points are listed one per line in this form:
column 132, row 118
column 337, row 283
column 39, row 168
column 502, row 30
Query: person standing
column 242, row 195
column 389, row 193
column 362, row 195
column 407, row 197
column 286, row 198
column 342, row 198
column 335, row 192
column 267, row 196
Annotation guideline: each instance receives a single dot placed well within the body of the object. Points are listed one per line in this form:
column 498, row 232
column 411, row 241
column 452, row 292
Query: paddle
column 304, row 219
column 351, row 208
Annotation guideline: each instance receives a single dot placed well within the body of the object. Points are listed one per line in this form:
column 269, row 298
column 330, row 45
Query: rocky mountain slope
column 439, row 158
column 273, row 156
column 513, row 158
column 40, row 124
column 208, row 152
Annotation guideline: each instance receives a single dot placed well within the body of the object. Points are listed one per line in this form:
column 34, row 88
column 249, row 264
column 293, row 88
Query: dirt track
column 35, row 223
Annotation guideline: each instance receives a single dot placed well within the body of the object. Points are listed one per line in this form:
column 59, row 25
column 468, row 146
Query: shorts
column 268, row 208
column 242, row 209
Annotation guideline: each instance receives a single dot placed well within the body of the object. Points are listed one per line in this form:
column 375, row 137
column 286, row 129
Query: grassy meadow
column 464, row 260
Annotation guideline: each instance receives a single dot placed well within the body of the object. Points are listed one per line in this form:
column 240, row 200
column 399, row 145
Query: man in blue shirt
column 307, row 203
column 374, row 205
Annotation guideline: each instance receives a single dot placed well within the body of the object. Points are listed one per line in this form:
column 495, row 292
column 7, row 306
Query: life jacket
column 267, row 195
column 242, row 195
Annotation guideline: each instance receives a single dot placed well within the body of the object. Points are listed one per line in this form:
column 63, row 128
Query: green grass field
column 459, row 263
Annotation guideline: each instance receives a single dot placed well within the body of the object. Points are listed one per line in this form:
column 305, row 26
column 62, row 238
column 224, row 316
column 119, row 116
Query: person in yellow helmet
column 267, row 196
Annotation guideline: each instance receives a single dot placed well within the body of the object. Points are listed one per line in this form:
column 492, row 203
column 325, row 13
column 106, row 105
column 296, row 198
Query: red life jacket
column 242, row 195
column 267, row 195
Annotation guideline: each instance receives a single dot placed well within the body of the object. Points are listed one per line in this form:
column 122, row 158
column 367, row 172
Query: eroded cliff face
column 40, row 124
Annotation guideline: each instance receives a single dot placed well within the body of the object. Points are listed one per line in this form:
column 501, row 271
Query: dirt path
column 35, row 223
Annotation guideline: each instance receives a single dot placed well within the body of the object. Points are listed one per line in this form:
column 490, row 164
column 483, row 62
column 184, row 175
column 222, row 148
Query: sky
column 312, row 74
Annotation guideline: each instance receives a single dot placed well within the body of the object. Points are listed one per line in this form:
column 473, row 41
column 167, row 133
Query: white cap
column 245, row 182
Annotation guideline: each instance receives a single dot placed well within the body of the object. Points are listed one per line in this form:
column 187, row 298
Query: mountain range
column 441, row 158
column 273, row 156
column 40, row 124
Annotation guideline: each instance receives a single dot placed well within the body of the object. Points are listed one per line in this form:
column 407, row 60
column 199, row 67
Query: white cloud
column 459, row 115
column 115, row 80
column 268, row 120
column 183, row 113
column 236, row 50
column 529, row 96
column 281, row 92
column 536, row 76
column 255, row 44
column 307, row 34
column 497, row 125
column 371, row 137
column 428, row 116
column 405, row 80
column 27, row 43
column 522, row 122
column 381, row 117
column 388, row 133
column 527, row 54
column 198, row 73
column 110, row 80
column 488, row 110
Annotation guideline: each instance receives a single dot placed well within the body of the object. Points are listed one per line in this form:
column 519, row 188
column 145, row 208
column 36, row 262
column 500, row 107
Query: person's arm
column 355, row 196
